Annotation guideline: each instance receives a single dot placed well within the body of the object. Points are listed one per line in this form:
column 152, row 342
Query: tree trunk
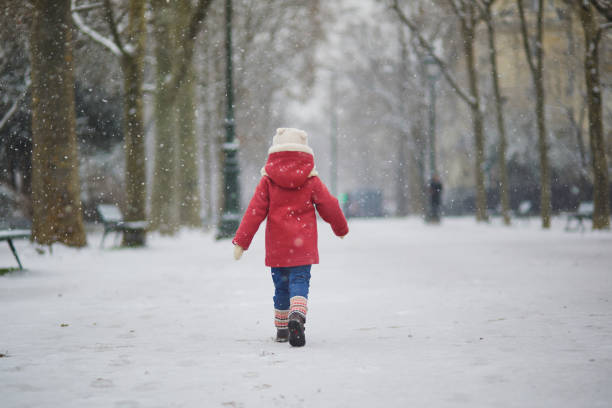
column 208, row 171
column 164, row 210
column 501, row 128
column 417, row 168
column 601, row 199
column 402, row 175
column 545, row 193
column 208, row 139
column 189, row 188
column 536, row 69
column 477, row 120
column 219, row 140
column 403, row 163
column 133, row 126
column 57, row 215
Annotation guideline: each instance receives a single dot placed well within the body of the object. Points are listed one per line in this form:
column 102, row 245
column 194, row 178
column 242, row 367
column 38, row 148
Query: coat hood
column 289, row 169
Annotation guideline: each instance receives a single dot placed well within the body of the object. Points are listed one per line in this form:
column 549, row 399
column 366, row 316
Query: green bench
column 112, row 219
column 575, row 220
column 10, row 235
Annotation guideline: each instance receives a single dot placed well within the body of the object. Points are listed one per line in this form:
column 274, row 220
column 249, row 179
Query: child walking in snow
column 288, row 194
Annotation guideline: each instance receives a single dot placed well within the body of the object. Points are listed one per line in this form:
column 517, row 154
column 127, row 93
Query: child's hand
column 238, row 252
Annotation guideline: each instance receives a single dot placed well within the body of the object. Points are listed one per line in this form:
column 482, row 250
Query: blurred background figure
column 435, row 195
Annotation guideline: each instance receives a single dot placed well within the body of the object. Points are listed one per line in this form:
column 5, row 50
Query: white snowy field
column 401, row 314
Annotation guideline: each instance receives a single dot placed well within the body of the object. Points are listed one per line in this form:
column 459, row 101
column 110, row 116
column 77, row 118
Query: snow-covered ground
column 401, row 314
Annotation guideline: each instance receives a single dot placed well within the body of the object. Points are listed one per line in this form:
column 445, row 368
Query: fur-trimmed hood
column 289, row 169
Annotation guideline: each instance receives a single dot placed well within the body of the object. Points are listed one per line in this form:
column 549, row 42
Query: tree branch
column 456, row 8
column 192, row 31
column 525, row 36
column 539, row 50
column 483, row 6
column 600, row 31
column 459, row 10
column 86, row 7
column 7, row 116
column 110, row 19
column 467, row 97
column 604, row 9
column 94, row 35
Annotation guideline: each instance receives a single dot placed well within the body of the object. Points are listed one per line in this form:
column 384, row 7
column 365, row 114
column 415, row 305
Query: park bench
column 583, row 212
column 9, row 235
column 112, row 219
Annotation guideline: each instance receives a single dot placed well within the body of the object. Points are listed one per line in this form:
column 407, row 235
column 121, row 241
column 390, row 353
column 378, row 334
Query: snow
column 401, row 314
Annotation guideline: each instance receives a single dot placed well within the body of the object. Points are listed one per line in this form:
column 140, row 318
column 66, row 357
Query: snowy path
column 400, row 315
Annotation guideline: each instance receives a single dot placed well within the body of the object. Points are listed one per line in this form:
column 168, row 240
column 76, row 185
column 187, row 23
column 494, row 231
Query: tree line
column 497, row 61
column 169, row 58
column 470, row 13
column 148, row 75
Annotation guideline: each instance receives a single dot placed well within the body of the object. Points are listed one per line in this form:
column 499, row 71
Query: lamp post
column 230, row 218
column 433, row 74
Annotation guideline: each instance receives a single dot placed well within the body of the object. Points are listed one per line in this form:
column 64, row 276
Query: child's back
column 288, row 194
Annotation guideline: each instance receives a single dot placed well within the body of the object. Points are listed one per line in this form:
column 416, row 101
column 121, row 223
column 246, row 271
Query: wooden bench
column 112, row 219
column 10, row 235
column 584, row 212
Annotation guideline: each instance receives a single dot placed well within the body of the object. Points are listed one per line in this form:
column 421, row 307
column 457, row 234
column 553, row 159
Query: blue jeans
column 289, row 282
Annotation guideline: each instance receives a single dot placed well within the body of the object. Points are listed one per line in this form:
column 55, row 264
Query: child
column 288, row 193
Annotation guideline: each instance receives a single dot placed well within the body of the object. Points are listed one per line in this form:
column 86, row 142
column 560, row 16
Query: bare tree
column 189, row 189
column 485, row 7
column 403, row 178
column 467, row 15
column 57, row 215
column 535, row 60
column 164, row 195
column 592, row 36
column 130, row 52
column 175, row 196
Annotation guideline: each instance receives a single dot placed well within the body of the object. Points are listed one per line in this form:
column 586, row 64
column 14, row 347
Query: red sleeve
column 329, row 209
column 253, row 216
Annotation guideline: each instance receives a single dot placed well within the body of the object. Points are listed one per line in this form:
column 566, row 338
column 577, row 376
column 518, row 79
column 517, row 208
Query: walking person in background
column 288, row 194
column 435, row 191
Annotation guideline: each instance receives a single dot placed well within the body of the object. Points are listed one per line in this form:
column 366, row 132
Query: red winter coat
column 288, row 194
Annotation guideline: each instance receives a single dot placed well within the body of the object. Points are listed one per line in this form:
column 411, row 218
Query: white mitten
column 238, row 252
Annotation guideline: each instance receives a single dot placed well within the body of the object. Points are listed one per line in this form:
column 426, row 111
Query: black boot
column 296, row 330
column 282, row 335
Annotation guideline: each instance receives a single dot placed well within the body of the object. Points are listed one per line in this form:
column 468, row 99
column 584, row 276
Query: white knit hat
column 290, row 140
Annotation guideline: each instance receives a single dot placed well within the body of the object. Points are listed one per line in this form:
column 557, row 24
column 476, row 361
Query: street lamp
column 433, row 74
column 432, row 70
column 230, row 218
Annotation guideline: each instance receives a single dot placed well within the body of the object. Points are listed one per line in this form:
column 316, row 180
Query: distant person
column 435, row 191
column 288, row 193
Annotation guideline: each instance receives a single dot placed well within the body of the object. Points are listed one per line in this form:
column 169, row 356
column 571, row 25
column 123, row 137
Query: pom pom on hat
column 290, row 135
column 290, row 139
